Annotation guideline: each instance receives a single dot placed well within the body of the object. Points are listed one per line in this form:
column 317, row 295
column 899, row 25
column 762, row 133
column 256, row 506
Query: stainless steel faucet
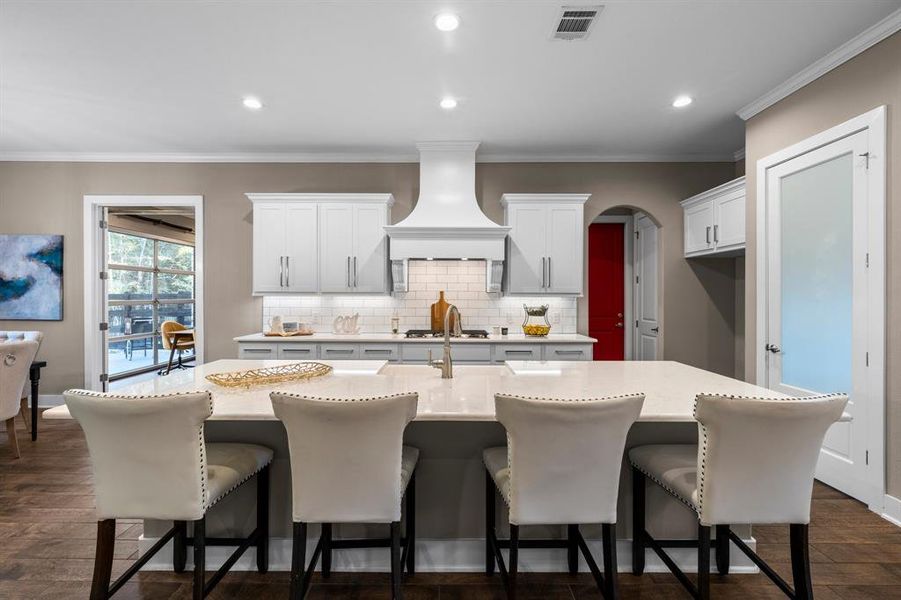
column 446, row 364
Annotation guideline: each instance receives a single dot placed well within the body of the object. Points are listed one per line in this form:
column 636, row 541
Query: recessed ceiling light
column 447, row 22
column 682, row 101
column 252, row 103
column 448, row 103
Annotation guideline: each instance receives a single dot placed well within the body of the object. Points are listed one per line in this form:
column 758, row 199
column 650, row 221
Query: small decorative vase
column 536, row 323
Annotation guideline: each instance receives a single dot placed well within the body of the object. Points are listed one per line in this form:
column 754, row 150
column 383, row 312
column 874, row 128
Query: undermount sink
column 459, row 370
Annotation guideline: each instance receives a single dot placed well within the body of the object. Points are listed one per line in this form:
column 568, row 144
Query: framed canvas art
column 31, row 277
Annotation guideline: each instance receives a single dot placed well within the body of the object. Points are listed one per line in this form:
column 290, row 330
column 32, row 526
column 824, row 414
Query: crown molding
column 345, row 157
column 861, row 42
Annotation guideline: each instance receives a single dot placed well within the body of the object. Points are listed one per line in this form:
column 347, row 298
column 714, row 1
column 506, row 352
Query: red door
column 606, row 295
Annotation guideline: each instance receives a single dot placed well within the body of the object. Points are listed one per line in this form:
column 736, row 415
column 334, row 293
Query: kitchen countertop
column 669, row 387
column 384, row 338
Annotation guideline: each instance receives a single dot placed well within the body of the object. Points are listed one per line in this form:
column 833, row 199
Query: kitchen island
column 454, row 422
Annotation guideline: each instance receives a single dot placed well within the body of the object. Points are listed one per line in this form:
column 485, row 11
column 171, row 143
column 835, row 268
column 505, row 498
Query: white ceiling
column 364, row 78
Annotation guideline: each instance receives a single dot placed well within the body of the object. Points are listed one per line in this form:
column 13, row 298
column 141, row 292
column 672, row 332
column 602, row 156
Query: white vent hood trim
column 446, row 222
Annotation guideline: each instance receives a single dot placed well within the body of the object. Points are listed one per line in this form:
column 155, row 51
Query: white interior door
column 816, row 232
column 647, row 319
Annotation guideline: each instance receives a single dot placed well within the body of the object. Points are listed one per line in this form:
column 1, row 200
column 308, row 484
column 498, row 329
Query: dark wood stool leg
column 103, row 559
column 263, row 520
column 411, row 525
column 199, row 558
column 180, row 547
column 703, row 562
column 638, row 521
column 490, row 520
column 35, row 382
column 396, row 588
column 611, row 581
column 722, row 549
column 299, row 562
column 572, row 548
column 513, row 567
column 801, row 562
column 326, row 550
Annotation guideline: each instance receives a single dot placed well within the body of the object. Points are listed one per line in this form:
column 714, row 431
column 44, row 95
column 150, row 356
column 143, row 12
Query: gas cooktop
column 428, row 333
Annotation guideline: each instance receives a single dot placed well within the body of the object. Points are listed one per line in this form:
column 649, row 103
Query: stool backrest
column 565, row 456
column 15, row 361
column 345, row 456
column 756, row 456
column 147, row 452
column 167, row 327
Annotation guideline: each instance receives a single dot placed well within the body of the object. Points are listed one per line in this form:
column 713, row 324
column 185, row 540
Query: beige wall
column 47, row 198
column 869, row 80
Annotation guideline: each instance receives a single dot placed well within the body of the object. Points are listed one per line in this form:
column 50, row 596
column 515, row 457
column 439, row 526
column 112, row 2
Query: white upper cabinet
column 545, row 244
column 308, row 243
column 714, row 221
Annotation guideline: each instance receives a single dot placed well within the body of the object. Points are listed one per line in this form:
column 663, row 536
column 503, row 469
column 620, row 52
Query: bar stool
column 755, row 464
column 150, row 461
column 349, row 465
column 561, row 466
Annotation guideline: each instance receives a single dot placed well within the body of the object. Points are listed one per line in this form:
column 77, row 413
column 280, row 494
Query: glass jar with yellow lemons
column 536, row 323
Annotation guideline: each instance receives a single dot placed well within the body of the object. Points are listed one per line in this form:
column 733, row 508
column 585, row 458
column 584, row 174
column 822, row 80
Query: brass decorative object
column 269, row 375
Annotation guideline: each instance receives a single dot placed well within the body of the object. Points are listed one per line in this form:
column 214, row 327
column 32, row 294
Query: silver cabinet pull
column 257, row 350
column 298, row 350
column 567, row 351
column 543, row 271
column 355, row 271
column 281, row 271
column 716, row 235
column 348, row 271
column 339, row 350
column 548, row 272
column 517, row 351
column 376, row 351
column 287, row 271
column 708, row 235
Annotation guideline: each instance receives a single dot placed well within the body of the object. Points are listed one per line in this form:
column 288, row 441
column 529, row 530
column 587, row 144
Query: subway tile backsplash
column 463, row 283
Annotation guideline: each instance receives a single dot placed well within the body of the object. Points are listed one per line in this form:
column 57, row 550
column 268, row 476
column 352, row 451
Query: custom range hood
column 447, row 223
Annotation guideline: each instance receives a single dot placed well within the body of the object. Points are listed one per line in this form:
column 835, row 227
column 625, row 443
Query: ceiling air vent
column 575, row 22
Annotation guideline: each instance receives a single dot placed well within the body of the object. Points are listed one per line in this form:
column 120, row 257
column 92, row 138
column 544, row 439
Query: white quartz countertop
column 669, row 387
column 387, row 338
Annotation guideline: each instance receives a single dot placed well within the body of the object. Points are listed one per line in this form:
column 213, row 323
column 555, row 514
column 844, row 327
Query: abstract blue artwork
column 31, row 277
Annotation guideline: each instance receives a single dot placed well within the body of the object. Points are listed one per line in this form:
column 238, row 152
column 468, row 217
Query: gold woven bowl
column 269, row 375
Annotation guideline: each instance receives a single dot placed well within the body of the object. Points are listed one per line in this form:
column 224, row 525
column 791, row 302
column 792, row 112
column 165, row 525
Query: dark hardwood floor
column 47, row 533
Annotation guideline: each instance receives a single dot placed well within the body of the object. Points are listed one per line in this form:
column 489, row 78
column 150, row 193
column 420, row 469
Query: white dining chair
column 754, row 464
column 34, row 336
column 349, row 465
column 561, row 466
column 15, row 361
column 150, row 461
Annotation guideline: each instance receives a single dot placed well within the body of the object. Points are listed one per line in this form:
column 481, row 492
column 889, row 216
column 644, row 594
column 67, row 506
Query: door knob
column 619, row 315
column 773, row 348
column 619, row 324
column 655, row 329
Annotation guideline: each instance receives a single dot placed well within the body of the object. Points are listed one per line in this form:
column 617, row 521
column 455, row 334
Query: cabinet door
column 564, row 249
column 302, row 242
column 369, row 264
column 528, row 244
column 257, row 351
column 699, row 227
column 335, row 247
column 729, row 229
column 268, row 247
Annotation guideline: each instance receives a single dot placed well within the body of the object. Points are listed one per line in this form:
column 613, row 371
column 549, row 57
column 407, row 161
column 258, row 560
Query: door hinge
column 866, row 156
column 104, row 275
column 104, row 326
column 868, row 260
column 867, row 457
column 867, row 359
column 103, row 224
column 637, row 234
column 636, row 279
column 104, row 377
column 636, row 323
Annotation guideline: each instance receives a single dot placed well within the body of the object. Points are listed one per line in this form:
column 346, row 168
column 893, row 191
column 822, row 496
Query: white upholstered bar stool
column 15, row 361
column 150, row 461
column 349, row 465
column 561, row 466
column 754, row 465
column 33, row 336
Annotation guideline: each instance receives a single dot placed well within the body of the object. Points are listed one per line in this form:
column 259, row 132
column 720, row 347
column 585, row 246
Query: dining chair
column 15, row 361
column 36, row 336
column 174, row 345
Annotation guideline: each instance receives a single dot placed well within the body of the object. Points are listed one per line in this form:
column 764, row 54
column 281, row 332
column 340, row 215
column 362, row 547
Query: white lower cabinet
column 516, row 352
column 389, row 352
column 461, row 353
column 567, row 352
column 339, row 351
column 298, row 351
column 259, row 351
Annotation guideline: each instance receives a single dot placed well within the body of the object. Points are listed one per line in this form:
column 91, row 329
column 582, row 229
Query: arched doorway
column 623, row 268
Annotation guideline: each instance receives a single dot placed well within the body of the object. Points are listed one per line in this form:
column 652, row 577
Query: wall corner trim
column 856, row 45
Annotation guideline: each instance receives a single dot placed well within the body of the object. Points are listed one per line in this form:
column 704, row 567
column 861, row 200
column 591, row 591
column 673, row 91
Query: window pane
column 130, row 285
column 130, row 250
column 176, row 256
column 130, row 319
column 816, row 277
column 171, row 286
column 183, row 313
column 128, row 355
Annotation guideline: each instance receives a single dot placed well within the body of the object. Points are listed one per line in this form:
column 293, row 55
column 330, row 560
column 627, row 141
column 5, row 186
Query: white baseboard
column 435, row 555
column 891, row 511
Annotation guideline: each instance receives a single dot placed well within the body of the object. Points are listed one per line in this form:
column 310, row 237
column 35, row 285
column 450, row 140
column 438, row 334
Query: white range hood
column 446, row 222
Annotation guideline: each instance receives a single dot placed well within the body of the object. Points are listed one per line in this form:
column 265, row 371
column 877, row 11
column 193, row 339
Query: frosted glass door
column 816, row 294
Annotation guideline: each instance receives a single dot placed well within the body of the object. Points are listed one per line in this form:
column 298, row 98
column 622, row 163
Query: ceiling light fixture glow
column 448, row 103
column 447, row 22
column 682, row 101
column 252, row 103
